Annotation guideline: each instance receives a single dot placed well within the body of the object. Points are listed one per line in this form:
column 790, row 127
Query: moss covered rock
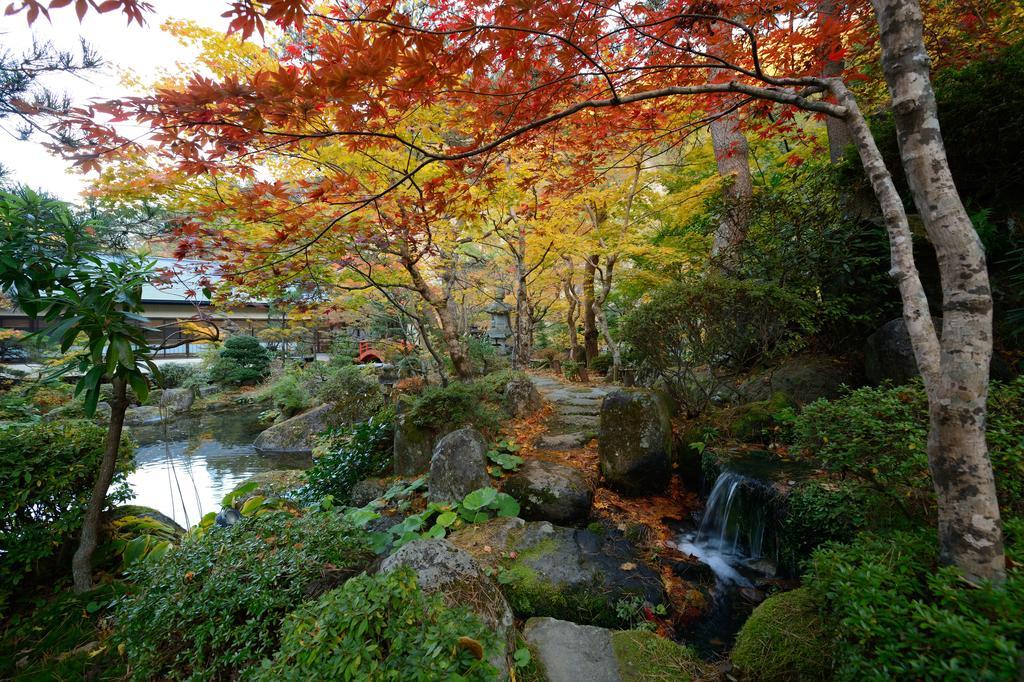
column 548, row 570
column 645, row 657
column 548, row 491
column 752, row 422
column 298, row 434
column 635, row 442
column 784, row 639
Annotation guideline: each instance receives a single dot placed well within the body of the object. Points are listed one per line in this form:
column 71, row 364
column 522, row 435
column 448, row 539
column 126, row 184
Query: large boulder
column 568, row 652
column 548, row 491
column 889, row 355
column 521, row 397
column 803, row 379
column 177, row 400
column 548, row 570
column 145, row 415
column 126, row 512
column 458, row 466
column 635, row 442
column 296, row 435
column 451, row 572
column 414, row 447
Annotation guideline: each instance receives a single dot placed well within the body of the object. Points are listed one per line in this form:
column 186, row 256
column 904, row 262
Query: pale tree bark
column 81, row 562
column 955, row 370
column 970, row 534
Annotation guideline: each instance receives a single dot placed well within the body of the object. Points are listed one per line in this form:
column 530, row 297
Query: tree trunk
column 570, row 320
column 81, row 563
column 590, row 332
column 839, row 137
column 524, row 322
column 970, row 535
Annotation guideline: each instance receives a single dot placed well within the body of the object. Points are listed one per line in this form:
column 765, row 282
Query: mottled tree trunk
column 523, row 346
column 590, row 331
column 81, row 563
column 969, row 525
column 955, row 370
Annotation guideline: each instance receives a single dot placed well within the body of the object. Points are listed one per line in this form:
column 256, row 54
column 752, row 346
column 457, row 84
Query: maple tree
column 494, row 73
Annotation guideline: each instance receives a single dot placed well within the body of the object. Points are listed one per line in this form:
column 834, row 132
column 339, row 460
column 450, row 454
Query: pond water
column 185, row 468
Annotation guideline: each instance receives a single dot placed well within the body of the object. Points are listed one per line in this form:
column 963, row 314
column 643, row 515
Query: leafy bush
column 897, row 615
column 878, row 436
column 213, row 606
column 347, row 455
column 355, row 393
column 380, row 627
column 178, row 374
column 697, row 335
column 47, row 470
column 818, row 512
column 602, row 364
column 288, row 394
column 242, row 360
column 463, row 403
column 784, row 639
column 482, row 354
column 343, row 351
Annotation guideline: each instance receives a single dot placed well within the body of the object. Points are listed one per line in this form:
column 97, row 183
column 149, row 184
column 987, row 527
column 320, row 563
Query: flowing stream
column 184, row 469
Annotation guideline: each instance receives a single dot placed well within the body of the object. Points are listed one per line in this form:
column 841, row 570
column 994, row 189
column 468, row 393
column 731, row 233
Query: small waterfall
column 734, row 529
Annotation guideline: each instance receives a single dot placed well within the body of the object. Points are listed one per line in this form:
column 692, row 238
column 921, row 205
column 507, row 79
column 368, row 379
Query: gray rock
column 521, row 397
column 451, row 572
column 458, row 466
column 548, row 491
column 296, row 435
column 145, row 415
column 568, row 652
column 565, row 441
column 366, row 491
column 803, row 379
column 889, row 355
column 177, row 400
column 559, row 565
column 635, row 442
column 413, row 447
column 208, row 390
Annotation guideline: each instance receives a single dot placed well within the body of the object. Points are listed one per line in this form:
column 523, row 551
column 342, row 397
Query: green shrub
column 602, row 364
column 347, row 455
column 697, row 335
column 785, row 639
column 462, row 403
column 492, row 386
column 178, row 374
column 878, row 437
column 818, row 512
column 482, row 354
column 213, row 606
column 355, row 393
column 288, row 394
column 242, row 360
column 896, row 615
column 344, row 350
column 380, row 627
column 47, row 470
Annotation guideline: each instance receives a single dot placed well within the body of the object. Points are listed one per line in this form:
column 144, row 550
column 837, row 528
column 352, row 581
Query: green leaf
column 135, row 549
column 252, row 504
column 522, row 657
column 436, row 532
column 480, row 498
column 506, row 505
column 361, row 516
column 240, row 491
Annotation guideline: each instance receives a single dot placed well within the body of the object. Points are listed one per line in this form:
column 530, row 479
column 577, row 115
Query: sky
column 144, row 50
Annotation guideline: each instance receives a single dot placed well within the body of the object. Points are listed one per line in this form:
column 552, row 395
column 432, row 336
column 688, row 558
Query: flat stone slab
column 592, row 420
column 565, row 441
column 589, row 410
column 568, row 652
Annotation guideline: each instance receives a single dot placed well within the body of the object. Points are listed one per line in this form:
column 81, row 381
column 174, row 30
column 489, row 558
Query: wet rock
column 548, row 491
column 548, row 570
column 298, row 434
column 458, row 466
column 635, row 442
column 568, row 652
column 444, row 569
column 521, row 397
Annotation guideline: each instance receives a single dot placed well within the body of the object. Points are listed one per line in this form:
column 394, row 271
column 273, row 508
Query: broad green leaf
column 480, row 498
column 252, row 504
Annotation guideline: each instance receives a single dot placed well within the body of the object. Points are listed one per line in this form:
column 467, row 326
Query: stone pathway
column 577, row 411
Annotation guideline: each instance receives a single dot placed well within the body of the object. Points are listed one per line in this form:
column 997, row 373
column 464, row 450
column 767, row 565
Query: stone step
column 565, row 441
column 569, row 652
column 579, row 409
column 589, row 420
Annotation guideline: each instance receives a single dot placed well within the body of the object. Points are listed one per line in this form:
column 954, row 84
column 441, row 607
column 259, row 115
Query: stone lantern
column 500, row 331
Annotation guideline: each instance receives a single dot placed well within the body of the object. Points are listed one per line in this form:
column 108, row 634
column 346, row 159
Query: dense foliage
column 877, row 437
column 896, row 614
column 696, row 335
column 474, row 403
column 380, row 627
column 355, row 393
column 47, row 471
column 347, row 455
column 243, row 359
column 213, row 606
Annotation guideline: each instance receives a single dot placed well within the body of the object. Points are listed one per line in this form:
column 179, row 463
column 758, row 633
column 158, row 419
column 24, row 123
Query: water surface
column 185, row 468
